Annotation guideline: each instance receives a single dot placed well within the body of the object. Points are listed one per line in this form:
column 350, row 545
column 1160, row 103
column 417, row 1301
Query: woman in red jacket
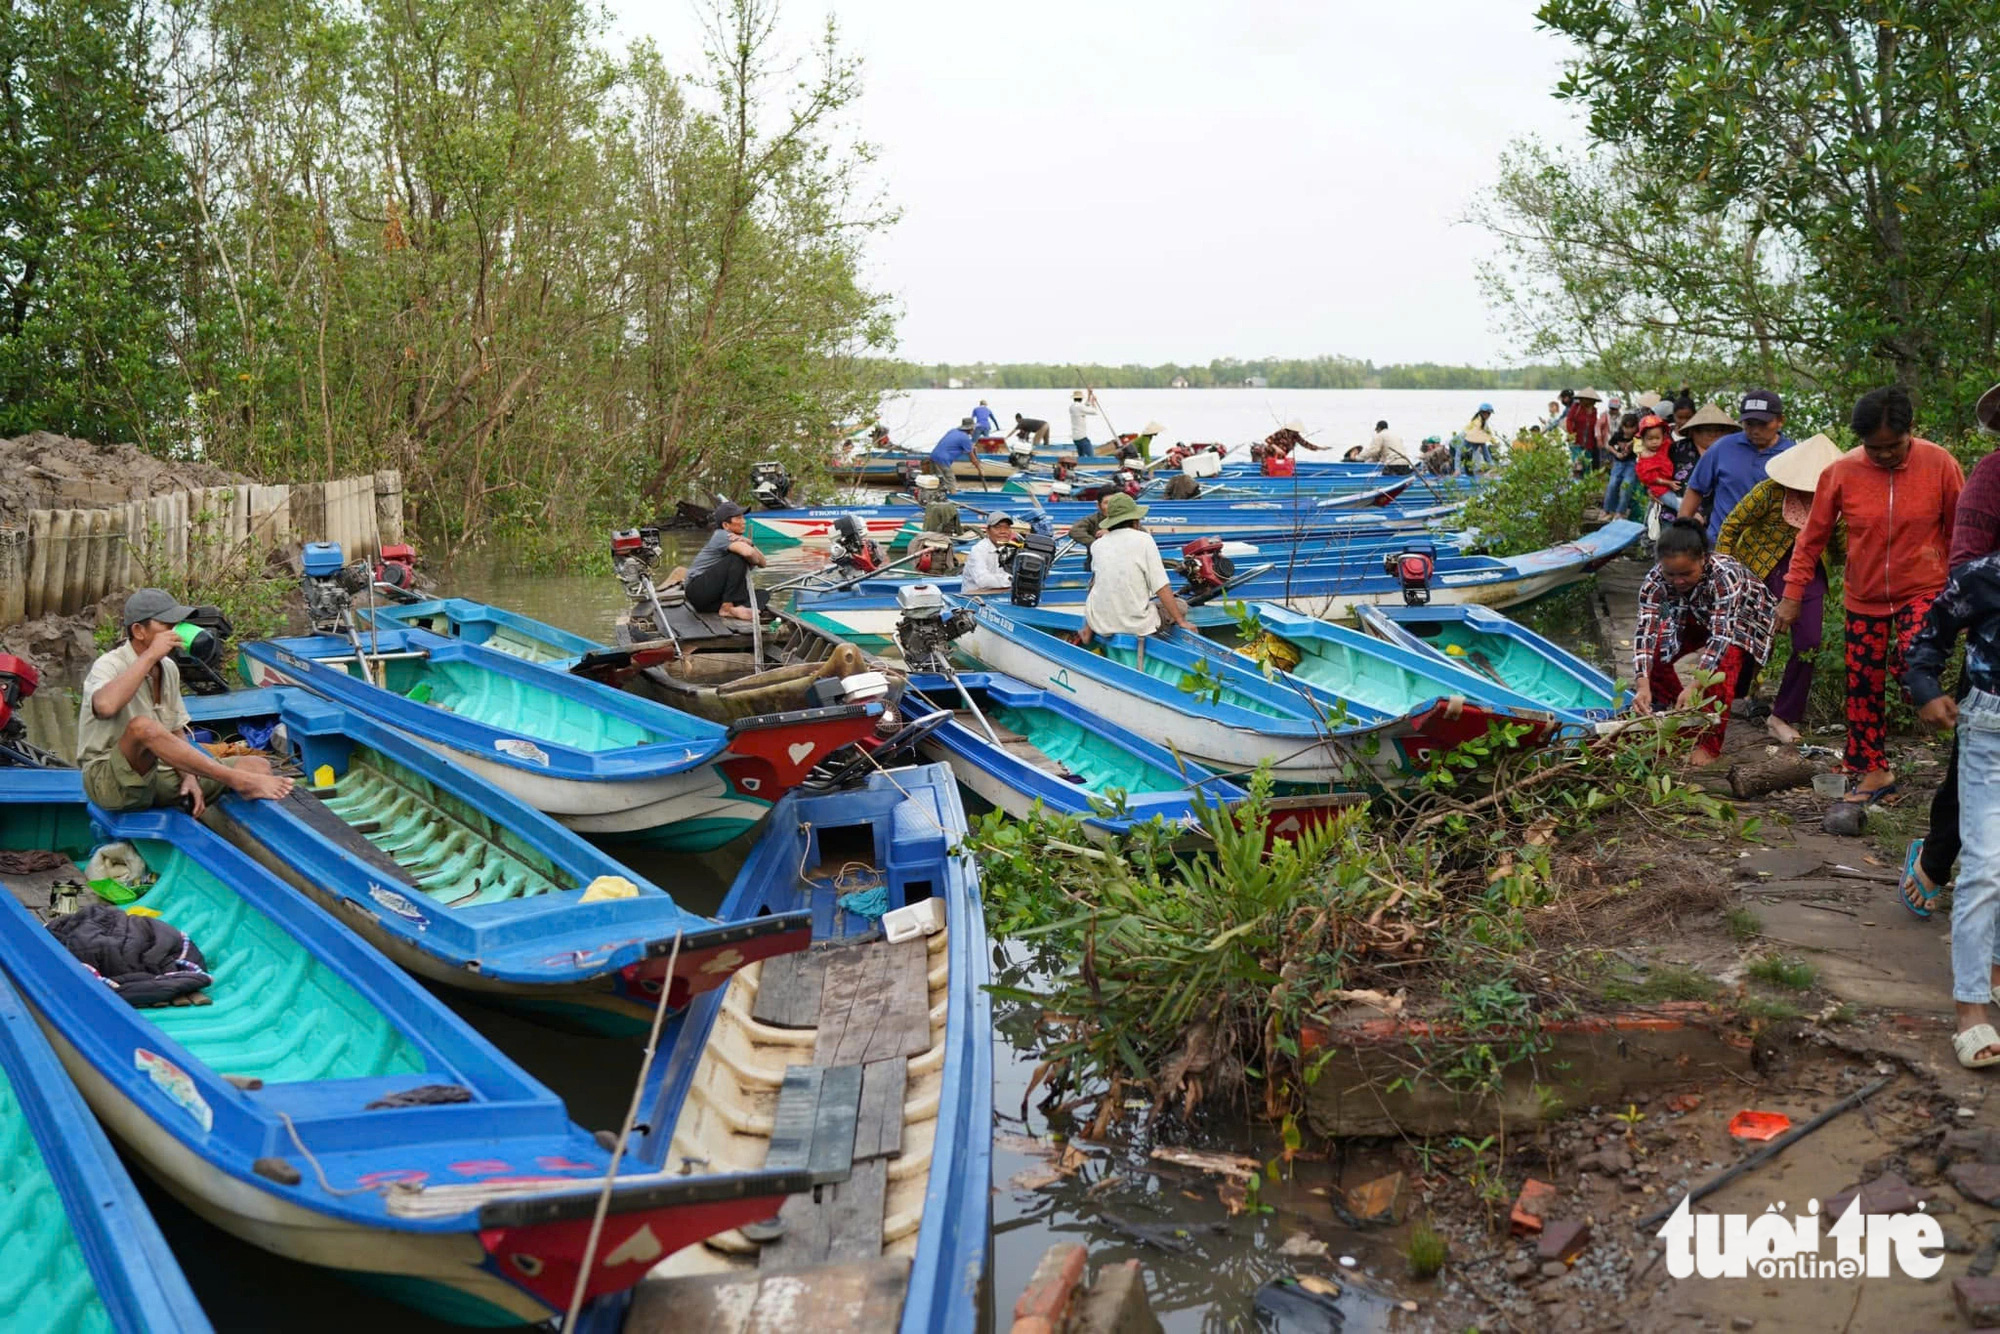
column 1897, row 494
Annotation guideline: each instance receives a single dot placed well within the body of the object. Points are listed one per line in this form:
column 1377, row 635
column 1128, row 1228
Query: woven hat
column 1151, row 428
column 1649, row 400
column 1296, row 425
column 1120, row 509
column 1710, row 415
column 1800, row 466
column 1590, row 395
column 1987, row 414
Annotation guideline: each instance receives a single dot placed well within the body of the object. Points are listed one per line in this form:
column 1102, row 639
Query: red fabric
column 1656, row 473
column 1871, row 642
column 1975, row 531
column 1899, row 523
column 1581, row 423
column 1735, row 672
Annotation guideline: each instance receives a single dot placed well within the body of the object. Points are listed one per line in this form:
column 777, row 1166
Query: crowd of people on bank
column 1761, row 524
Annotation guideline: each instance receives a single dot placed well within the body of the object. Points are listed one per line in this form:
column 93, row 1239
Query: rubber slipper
column 1919, row 903
column 1880, row 796
column 1971, row 1042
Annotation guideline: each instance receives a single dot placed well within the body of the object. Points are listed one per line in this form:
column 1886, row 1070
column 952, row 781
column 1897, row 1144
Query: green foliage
column 1766, row 1010
column 1531, row 501
column 1783, row 971
column 1663, row 982
column 1743, row 924
column 1425, row 1251
column 96, row 226
column 1800, row 198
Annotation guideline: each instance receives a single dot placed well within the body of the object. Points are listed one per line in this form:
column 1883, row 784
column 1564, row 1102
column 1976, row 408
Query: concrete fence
column 66, row 560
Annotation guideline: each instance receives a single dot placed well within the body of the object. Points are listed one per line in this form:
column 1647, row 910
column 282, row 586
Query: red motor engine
column 1205, row 568
column 1412, row 570
column 398, row 566
column 18, row 679
column 1279, row 465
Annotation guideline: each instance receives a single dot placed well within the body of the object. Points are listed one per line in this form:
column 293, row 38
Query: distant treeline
column 1227, row 373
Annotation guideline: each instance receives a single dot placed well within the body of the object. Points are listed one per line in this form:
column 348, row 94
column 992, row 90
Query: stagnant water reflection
column 1203, row 1264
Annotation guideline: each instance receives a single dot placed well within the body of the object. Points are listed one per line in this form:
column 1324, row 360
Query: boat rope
column 320, row 1172
column 618, row 1149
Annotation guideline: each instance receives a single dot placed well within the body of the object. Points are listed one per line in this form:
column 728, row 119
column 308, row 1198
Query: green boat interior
column 1372, row 682
column 501, row 639
column 1071, row 751
column 1512, row 663
column 455, row 854
column 510, row 704
column 1161, row 668
column 274, row 1012
column 45, row 1284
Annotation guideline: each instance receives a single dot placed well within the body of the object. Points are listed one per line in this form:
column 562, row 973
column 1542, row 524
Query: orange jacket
column 1898, row 527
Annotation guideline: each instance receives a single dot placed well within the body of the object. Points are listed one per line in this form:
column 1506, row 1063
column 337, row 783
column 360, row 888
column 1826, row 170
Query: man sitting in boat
column 1386, row 448
column 131, row 734
column 718, row 579
column 1030, row 430
column 983, row 571
column 1127, row 576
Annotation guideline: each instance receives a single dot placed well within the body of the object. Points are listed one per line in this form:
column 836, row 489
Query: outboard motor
column 1064, row 466
column 927, row 487
column 925, row 632
column 853, row 549
column 1412, row 569
column 634, row 553
column 771, row 484
column 329, row 591
column 1206, row 570
column 1021, row 454
column 1030, row 568
column 398, row 566
column 18, row 679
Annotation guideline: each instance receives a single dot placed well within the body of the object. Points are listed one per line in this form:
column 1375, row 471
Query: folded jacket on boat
column 145, row 960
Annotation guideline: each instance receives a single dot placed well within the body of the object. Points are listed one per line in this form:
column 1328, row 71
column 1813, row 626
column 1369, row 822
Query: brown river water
column 1203, row 1266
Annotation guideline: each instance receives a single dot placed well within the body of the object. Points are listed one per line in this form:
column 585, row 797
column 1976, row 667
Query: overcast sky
column 1170, row 180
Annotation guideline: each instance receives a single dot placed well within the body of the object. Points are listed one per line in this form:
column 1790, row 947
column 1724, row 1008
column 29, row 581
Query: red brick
column 1534, row 1202
column 1054, row 1283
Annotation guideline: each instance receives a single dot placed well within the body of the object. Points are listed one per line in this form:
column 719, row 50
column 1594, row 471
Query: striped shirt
column 1732, row 602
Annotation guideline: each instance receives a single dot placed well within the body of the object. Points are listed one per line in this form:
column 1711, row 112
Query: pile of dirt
column 45, row 471
column 62, row 647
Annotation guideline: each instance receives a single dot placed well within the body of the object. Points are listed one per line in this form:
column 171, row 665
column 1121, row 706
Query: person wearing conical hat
column 1761, row 532
column 1581, row 424
column 1898, row 494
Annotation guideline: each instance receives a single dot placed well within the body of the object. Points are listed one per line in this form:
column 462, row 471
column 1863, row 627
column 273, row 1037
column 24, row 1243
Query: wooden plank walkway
column 1615, row 604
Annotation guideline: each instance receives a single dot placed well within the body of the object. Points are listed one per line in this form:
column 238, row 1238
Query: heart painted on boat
column 641, row 1246
column 799, row 750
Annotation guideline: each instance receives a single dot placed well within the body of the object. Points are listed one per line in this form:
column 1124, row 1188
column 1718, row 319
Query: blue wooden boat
column 1046, row 751
column 82, row 1255
column 1227, row 715
column 1330, row 588
column 462, row 884
column 711, row 1097
column 601, row 760
column 812, row 525
column 1481, row 640
column 1346, row 667
column 288, row 1111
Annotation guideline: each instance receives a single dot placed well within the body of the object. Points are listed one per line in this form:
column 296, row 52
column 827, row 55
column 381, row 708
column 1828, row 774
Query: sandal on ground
column 1916, row 896
column 1881, row 796
column 1971, row 1042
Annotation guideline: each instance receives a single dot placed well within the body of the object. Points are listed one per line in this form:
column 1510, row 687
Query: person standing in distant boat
column 1127, row 576
column 1478, row 435
column 718, row 578
column 954, row 445
column 1031, row 430
column 1080, row 414
column 983, row 416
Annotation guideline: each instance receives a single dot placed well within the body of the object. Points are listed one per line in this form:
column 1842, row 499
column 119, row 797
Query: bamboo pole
column 96, row 553
column 13, row 575
column 35, row 596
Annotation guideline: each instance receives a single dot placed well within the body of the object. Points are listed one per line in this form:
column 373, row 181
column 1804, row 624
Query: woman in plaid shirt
column 1692, row 599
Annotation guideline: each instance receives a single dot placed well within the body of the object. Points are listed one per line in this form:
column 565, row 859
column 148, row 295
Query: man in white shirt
column 1126, row 576
column 1079, row 425
column 983, row 571
column 131, row 734
column 1386, row 448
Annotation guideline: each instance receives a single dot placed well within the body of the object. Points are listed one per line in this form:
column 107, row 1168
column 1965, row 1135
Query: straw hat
column 1800, row 466
column 1475, row 435
column 1589, row 395
column 1710, row 415
column 1151, row 428
column 1649, row 400
column 1987, row 414
column 1296, row 425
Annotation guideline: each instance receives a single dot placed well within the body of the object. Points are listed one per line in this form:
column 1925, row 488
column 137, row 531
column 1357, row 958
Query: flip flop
column 1918, row 903
column 1971, row 1042
column 1881, row 795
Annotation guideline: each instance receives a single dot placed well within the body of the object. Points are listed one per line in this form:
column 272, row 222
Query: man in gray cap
column 718, row 578
column 131, row 734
